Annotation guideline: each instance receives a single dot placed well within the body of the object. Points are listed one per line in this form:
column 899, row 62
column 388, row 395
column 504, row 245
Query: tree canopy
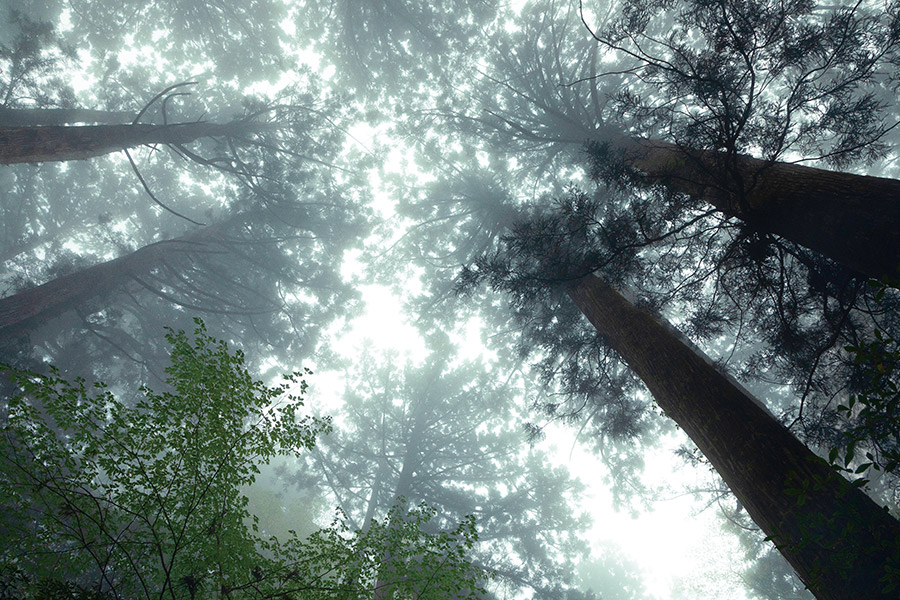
column 551, row 191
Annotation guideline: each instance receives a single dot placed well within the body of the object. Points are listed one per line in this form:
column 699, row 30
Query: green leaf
column 832, row 455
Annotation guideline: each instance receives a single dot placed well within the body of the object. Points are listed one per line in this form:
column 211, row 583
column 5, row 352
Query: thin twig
column 155, row 199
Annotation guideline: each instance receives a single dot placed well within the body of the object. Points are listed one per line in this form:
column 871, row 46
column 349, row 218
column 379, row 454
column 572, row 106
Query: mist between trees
column 636, row 220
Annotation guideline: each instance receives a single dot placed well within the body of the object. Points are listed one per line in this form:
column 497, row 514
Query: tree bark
column 840, row 542
column 20, row 117
column 61, row 143
column 852, row 219
column 30, row 308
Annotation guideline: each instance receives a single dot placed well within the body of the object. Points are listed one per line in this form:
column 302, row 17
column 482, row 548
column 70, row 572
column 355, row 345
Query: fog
column 581, row 300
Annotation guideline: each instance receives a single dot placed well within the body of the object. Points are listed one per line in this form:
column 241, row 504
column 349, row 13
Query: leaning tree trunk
column 840, row 542
column 18, row 117
column 852, row 219
column 32, row 307
column 60, row 143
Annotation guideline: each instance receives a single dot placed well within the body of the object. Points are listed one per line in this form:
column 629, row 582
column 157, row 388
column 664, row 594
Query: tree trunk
column 852, row 219
column 60, row 143
column 29, row 308
column 19, row 117
column 840, row 542
column 386, row 583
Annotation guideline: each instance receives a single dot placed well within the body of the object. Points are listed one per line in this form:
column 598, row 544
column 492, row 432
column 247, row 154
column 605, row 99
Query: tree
column 446, row 435
column 825, row 64
column 146, row 501
column 685, row 105
column 839, row 541
column 210, row 269
column 42, row 143
column 63, row 142
column 34, row 306
column 234, row 273
column 833, row 213
column 547, row 89
column 270, row 201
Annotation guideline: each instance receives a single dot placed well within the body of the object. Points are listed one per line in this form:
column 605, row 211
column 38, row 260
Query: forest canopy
column 555, row 262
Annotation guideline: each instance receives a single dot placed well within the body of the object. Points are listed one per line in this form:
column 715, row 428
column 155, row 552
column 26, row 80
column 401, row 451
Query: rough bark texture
column 30, row 308
column 838, row 540
column 852, row 219
column 60, row 143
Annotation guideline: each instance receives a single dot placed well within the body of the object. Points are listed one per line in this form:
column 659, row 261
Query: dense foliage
column 148, row 500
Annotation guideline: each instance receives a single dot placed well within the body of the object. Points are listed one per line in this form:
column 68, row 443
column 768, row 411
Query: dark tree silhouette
column 840, row 542
column 833, row 213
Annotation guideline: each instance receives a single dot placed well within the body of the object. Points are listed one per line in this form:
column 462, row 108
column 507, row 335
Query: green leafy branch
column 103, row 499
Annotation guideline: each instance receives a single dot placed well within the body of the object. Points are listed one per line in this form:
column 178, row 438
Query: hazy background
column 398, row 141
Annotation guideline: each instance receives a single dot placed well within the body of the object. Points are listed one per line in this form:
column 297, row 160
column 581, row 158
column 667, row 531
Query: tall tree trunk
column 19, row 117
column 29, row 308
column 60, row 143
column 350, row 585
column 840, row 542
column 852, row 219
column 387, row 574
